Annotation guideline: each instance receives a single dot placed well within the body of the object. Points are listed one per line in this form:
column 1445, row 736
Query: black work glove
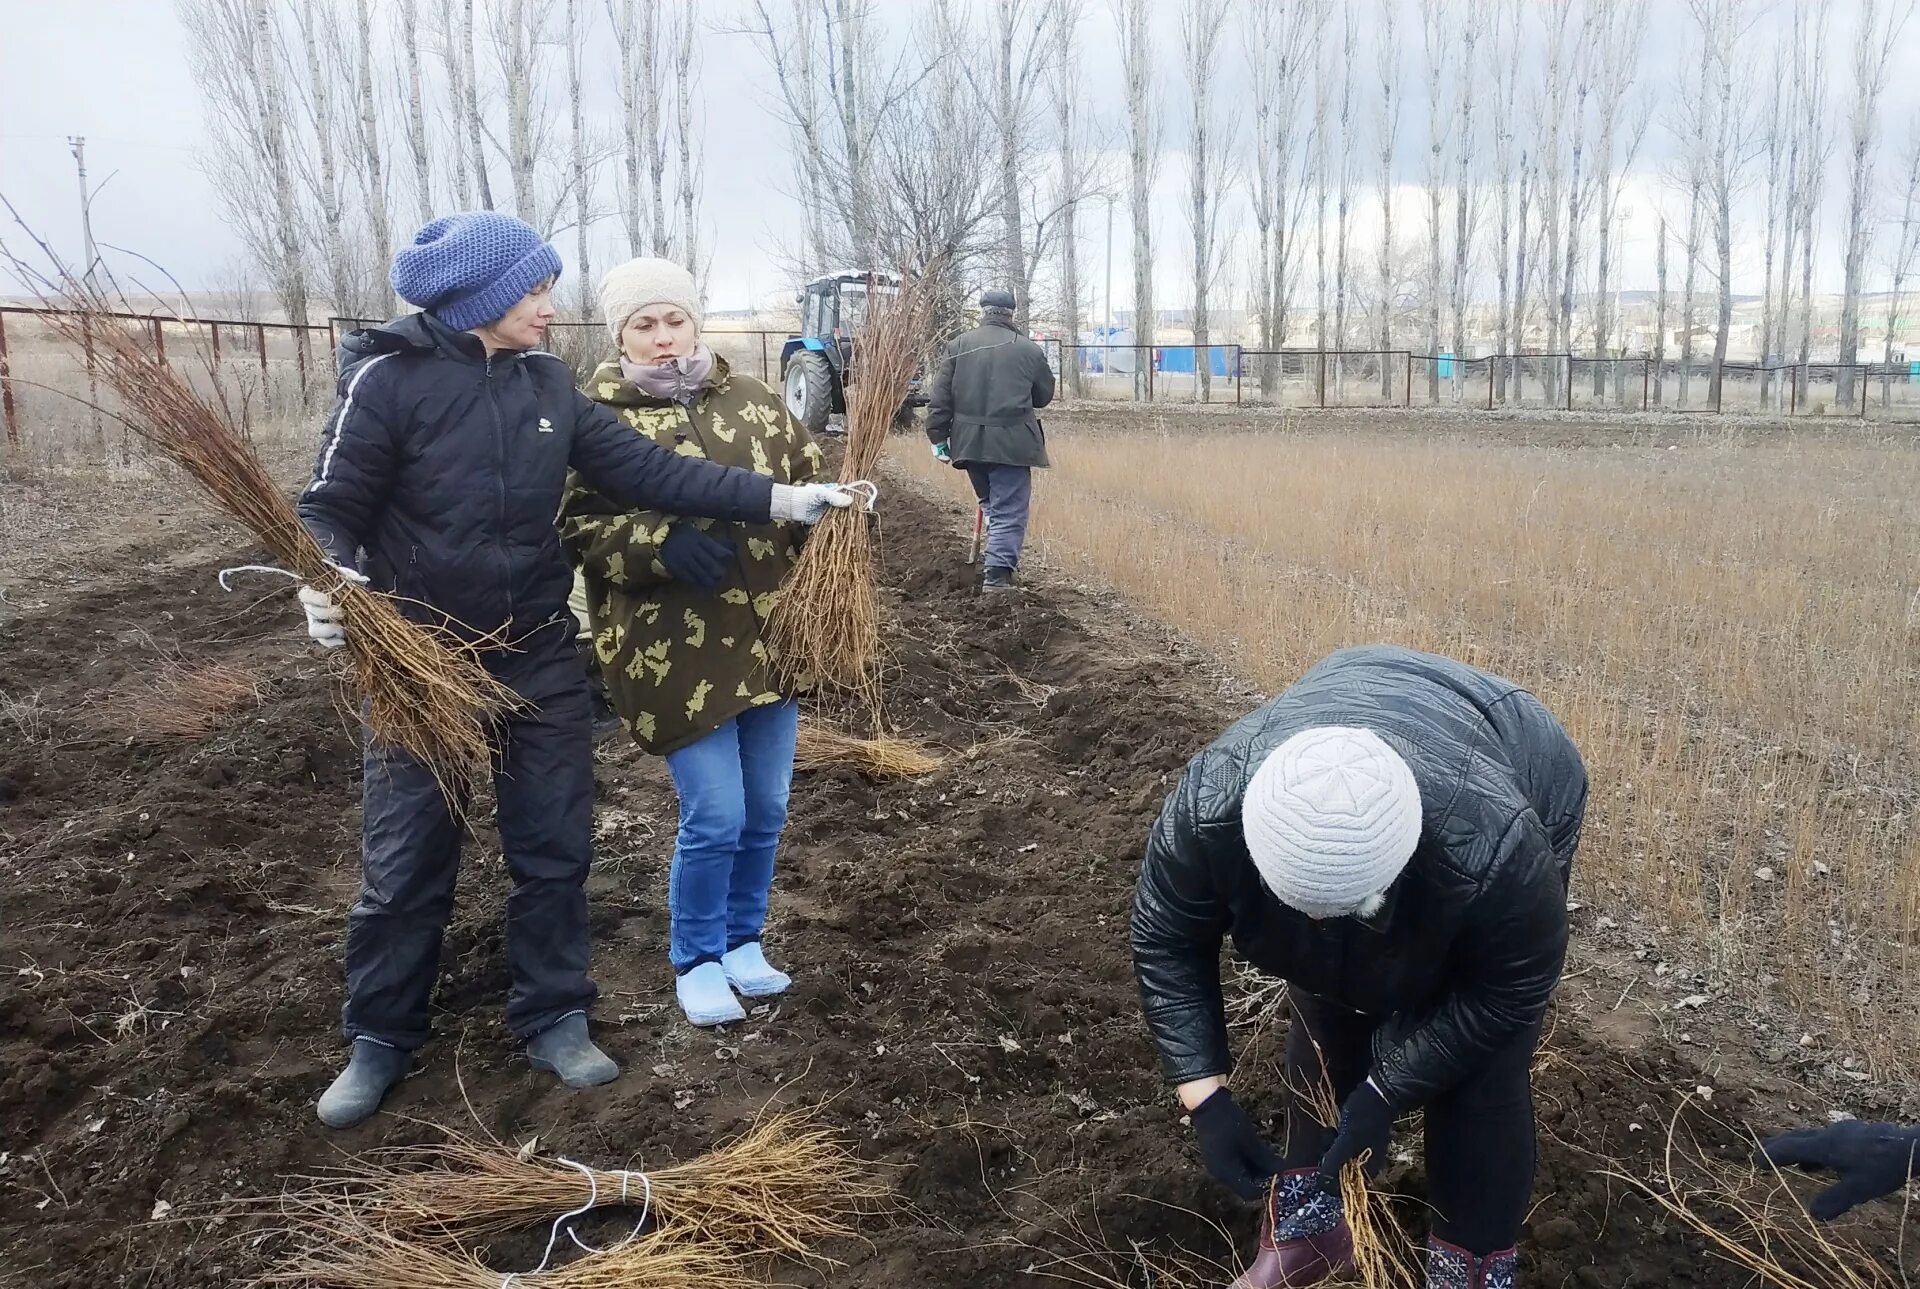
column 1873, row 1159
column 693, row 557
column 1365, row 1122
column 1232, row 1147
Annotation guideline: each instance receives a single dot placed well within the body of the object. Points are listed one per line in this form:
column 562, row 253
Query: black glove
column 693, row 557
column 1873, row 1159
column 1231, row 1146
column 1365, row 1122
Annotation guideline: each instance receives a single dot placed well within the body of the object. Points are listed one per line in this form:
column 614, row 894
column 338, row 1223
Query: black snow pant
column 410, row 853
column 1479, row 1147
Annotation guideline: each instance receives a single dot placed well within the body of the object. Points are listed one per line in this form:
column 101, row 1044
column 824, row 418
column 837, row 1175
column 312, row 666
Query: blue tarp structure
column 1179, row 359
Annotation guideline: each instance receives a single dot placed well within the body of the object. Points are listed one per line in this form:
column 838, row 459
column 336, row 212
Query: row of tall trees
column 336, row 126
column 960, row 136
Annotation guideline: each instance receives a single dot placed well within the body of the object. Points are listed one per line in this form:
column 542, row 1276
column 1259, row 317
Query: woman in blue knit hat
column 439, row 475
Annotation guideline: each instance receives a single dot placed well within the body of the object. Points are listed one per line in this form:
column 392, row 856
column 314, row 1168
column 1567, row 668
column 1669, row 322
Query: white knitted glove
column 808, row 502
column 326, row 621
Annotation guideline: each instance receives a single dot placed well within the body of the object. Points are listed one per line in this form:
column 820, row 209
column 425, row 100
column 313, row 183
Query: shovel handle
column 979, row 527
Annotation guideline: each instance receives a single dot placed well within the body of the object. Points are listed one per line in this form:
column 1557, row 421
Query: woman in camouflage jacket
column 678, row 609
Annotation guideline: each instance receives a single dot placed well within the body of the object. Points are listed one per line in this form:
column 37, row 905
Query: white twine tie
column 593, row 1200
column 226, row 573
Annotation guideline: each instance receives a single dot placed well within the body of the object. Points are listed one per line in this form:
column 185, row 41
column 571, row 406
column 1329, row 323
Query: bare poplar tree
column 1506, row 53
column 1260, row 37
column 371, row 149
column 1815, row 148
column 686, row 76
column 1906, row 249
column 1434, row 26
column 1136, row 62
column 1522, row 248
column 1202, row 23
column 341, row 283
column 1551, row 161
column 1778, row 150
column 653, row 134
column 582, row 190
column 1021, row 50
column 1349, row 170
column 1722, row 139
column 1880, row 25
column 1322, row 106
column 635, row 32
column 1579, row 187
column 1387, row 63
column 416, row 109
column 233, row 49
column 1622, row 34
column 1691, row 245
column 1072, row 175
column 1465, row 210
column 448, row 43
column 475, row 126
column 1660, row 318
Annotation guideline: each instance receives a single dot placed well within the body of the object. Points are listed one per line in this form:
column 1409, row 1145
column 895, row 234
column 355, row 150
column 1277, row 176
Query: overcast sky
column 116, row 71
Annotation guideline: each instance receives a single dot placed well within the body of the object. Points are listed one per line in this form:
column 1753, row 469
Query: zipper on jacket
column 500, row 486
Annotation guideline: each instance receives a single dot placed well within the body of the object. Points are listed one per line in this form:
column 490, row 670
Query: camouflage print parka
column 680, row 662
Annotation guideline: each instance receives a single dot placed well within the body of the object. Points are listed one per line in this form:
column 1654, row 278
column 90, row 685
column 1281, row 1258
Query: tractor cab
column 819, row 363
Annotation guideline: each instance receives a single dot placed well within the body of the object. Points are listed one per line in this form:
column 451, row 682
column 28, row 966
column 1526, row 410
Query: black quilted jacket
column 1469, row 945
column 448, row 467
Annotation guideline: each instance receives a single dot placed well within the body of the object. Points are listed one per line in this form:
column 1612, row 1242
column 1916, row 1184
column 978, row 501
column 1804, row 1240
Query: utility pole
column 78, row 142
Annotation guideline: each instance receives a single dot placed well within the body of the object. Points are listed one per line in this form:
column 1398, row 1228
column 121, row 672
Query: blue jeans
column 733, row 787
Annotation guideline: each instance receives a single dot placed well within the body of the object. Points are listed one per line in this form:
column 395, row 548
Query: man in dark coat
column 1392, row 836
column 981, row 419
column 438, row 479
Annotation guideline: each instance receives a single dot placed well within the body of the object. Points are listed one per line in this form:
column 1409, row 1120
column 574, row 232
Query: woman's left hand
column 1366, row 1121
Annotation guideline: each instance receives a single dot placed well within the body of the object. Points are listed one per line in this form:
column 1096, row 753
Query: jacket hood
column 412, row 333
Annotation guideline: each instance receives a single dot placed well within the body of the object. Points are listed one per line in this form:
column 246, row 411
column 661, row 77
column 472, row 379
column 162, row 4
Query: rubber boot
column 564, row 1049
column 372, row 1071
column 751, row 975
column 1451, row 1267
column 706, row 997
column 998, row 579
column 1304, row 1237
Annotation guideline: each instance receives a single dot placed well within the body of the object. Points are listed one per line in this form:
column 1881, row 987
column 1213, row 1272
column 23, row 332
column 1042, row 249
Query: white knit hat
column 630, row 287
column 1331, row 817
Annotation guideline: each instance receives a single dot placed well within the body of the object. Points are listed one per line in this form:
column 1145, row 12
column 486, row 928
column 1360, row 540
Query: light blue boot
column 749, row 972
column 706, row 997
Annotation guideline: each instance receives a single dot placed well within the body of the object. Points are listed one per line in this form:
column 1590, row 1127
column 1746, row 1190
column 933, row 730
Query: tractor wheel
column 809, row 390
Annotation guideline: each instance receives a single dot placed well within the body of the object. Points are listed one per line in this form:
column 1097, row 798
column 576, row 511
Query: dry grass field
column 1728, row 621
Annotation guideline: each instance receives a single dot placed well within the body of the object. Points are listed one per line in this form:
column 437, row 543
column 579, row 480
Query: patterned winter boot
column 1452, row 1267
column 1304, row 1238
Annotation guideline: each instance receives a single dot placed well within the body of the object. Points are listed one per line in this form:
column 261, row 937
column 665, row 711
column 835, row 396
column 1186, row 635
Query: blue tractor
column 818, row 364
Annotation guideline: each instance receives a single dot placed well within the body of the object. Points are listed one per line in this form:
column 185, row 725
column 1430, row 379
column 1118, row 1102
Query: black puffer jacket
column 1470, row 943
column 449, row 468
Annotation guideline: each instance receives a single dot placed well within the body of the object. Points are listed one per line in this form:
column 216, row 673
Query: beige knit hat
column 1331, row 817
column 628, row 288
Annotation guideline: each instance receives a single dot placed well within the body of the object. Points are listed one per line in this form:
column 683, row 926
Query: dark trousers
column 1480, row 1152
column 410, row 853
column 1007, row 493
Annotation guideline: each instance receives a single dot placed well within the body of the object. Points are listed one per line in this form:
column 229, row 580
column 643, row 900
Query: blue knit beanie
column 467, row 270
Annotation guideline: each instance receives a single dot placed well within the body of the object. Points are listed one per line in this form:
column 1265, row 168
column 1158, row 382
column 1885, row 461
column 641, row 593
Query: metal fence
column 49, row 386
column 1330, row 378
column 277, row 366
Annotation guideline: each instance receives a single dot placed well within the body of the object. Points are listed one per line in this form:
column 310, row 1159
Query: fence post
column 1793, row 392
column 6, row 388
column 215, row 328
column 1646, row 381
column 1861, row 383
column 1147, row 356
column 260, row 337
column 1492, row 361
column 766, row 365
column 1239, row 372
column 1719, row 386
column 1323, row 379
column 1407, row 400
column 159, row 341
column 1569, row 382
